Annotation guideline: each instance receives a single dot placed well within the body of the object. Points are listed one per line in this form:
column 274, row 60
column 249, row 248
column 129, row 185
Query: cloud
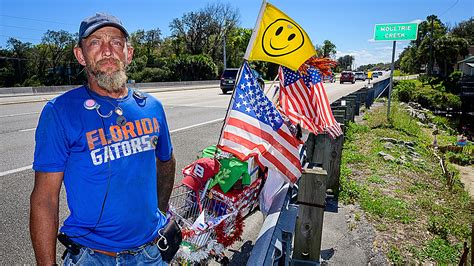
column 417, row 21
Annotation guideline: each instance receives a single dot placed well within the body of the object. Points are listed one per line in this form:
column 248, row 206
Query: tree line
column 193, row 51
column 437, row 45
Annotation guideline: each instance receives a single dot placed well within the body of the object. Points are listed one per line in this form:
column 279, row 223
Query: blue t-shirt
column 99, row 157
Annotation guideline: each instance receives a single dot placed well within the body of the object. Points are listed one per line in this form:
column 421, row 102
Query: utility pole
column 430, row 64
column 225, row 57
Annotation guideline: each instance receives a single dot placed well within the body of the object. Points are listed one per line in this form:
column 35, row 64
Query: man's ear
column 79, row 55
column 129, row 53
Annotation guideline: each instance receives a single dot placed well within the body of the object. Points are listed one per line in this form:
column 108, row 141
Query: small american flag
column 254, row 128
column 304, row 101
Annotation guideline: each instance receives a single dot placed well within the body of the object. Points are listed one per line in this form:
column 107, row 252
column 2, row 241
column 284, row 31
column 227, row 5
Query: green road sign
column 396, row 32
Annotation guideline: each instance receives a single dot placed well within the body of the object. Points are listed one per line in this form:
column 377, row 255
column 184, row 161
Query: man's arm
column 165, row 181
column 44, row 216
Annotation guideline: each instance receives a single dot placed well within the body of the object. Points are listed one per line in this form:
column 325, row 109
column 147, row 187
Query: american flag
column 254, row 128
column 304, row 101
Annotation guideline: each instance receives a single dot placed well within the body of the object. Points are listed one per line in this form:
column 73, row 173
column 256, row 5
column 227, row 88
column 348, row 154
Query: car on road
column 380, row 73
column 360, row 76
column 347, row 76
column 229, row 76
column 375, row 74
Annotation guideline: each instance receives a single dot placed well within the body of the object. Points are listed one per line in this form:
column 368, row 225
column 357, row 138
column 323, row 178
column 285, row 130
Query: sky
column 347, row 24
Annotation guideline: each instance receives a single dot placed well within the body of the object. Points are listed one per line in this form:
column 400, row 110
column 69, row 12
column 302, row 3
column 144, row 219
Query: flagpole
column 239, row 75
column 255, row 30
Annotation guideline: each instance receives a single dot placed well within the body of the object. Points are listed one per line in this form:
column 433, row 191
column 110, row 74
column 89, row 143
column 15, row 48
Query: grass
column 421, row 217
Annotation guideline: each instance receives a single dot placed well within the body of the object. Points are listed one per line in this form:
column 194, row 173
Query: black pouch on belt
column 169, row 239
column 71, row 247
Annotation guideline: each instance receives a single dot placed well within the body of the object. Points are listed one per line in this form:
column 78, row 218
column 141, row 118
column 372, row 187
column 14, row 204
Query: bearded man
column 111, row 147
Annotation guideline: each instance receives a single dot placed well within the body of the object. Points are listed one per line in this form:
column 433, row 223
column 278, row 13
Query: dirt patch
column 466, row 174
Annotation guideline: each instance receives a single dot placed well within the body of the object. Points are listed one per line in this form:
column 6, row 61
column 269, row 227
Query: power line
column 40, row 20
column 19, row 27
column 42, row 60
column 15, row 37
column 449, row 8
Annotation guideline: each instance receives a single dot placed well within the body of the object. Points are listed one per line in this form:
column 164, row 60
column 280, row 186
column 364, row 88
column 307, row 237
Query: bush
column 151, row 75
column 431, row 97
column 405, row 90
column 451, row 82
column 193, row 67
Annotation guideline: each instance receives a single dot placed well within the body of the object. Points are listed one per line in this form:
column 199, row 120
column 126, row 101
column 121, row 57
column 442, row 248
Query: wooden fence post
column 328, row 152
column 309, row 224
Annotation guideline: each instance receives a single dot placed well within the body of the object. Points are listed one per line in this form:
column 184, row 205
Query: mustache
column 109, row 60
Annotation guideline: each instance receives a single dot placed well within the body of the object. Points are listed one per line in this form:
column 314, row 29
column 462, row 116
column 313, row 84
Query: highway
column 195, row 119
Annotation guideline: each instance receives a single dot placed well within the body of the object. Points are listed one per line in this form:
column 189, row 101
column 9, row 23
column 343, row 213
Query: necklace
column 92, row 104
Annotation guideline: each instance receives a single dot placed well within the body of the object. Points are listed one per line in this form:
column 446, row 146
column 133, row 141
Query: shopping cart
column 204, row 225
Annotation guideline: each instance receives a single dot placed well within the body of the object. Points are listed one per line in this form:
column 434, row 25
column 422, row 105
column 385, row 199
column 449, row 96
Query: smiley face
column 282, row 37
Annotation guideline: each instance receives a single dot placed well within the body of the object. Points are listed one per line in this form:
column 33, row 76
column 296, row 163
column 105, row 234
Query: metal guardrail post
column 274, row 242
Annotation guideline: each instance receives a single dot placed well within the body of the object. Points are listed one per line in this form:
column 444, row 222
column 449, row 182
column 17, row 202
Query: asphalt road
column 195, row 119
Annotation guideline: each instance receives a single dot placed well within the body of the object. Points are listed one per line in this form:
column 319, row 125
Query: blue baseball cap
column 99, row 20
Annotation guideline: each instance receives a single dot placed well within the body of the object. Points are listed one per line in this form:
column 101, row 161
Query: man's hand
column 44, row 216
column 165, row 181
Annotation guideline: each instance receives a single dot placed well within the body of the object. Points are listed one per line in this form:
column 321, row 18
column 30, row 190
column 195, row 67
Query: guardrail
column 275, row 245
column 57, row 89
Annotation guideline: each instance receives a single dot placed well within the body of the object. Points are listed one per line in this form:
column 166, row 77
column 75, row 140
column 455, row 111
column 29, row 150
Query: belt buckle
column 128, row 252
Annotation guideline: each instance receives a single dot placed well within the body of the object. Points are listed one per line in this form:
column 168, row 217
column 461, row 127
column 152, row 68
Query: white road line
column 32, row 113
column 172, row 131
column 28, row 129
column 197, row 125
column 16, row 170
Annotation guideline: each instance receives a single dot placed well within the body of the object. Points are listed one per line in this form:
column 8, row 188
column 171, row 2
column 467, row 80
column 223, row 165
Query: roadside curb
column 169, row 89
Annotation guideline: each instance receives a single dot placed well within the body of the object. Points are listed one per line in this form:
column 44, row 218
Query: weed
column 395, row 256
column 357, row 216
column 384, row 206
column 440, row 250
column 376, row 179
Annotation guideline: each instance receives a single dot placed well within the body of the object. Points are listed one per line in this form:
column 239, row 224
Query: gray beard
column 113, row 82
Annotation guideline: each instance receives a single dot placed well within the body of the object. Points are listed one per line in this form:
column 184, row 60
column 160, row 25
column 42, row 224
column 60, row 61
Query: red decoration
column 187, row 233
column 235, row 233
column 324, row 65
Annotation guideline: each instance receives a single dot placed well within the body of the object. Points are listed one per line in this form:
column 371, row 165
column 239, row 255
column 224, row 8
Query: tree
column 448, row 49
column 203, row 32
column 236, row 44
column 465, row 29
column 328, row 49
column 146, row 44
column 345, row 62
column 59, row 45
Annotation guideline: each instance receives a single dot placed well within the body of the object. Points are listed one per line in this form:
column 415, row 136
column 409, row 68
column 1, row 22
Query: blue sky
column 348, row 24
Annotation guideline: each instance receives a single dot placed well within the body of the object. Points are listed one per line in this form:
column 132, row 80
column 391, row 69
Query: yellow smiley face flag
column 279, row 39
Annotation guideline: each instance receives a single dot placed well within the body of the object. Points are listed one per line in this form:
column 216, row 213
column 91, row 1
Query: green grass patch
column 376, row 179
column 374, row 202
column 440, row 250
column 395, row 256
column 422, row 218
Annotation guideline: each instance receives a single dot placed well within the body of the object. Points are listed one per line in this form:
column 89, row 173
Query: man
column 111, row 147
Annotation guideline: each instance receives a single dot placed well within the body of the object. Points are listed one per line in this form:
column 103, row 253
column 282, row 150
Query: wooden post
column 363, row 96
column 339, row 114
column 309, row 224
column 350, row 109
column 357, row 102
column 472, row 231
column 370, row 98
column 328, row 151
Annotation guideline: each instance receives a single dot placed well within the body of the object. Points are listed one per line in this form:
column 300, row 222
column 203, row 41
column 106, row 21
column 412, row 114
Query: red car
column 347, row 76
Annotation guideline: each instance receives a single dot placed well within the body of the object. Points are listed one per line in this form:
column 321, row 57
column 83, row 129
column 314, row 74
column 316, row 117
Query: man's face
column 105, row 54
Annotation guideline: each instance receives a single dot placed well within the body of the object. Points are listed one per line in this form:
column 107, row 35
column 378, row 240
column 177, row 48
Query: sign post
column 394, row 32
